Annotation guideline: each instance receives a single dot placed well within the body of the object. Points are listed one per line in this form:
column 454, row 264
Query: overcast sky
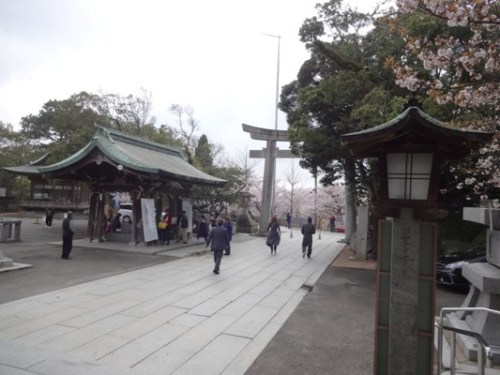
column 210, row 55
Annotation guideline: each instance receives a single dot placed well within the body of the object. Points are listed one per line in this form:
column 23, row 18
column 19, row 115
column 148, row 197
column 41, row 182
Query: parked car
column 449, row 266
column 126, row 211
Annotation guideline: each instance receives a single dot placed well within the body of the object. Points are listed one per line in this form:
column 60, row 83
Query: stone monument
column 244, row 223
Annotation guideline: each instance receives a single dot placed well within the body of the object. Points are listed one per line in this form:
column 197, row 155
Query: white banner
column 188, row 207
column 149, row 220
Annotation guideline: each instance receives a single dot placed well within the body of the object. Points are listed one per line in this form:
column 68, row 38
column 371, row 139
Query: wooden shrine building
column 115, row 161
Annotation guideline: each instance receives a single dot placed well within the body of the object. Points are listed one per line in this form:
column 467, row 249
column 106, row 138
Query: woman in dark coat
column 202, row 229
column 274, row 235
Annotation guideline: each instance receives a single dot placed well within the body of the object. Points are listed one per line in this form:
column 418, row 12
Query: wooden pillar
column 91, row 224
column 134, row 196
column 101, row 217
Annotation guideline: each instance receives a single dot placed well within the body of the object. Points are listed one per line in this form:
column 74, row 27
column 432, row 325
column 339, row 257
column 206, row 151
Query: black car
column 449, row 266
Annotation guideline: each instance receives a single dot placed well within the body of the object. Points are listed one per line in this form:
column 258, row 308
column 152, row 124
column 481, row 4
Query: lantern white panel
column 409, row 175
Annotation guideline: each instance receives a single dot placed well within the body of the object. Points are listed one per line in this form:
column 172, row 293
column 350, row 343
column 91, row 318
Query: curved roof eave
column 136, row 157
column 402, row 119
column 452, row 141
column 25, row 170
column 79, row 155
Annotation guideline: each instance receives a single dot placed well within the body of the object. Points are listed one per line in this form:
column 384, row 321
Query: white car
column 126, row 212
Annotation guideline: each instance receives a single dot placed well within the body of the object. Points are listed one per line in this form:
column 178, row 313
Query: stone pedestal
column 6, row 264
column 4, row 261
column 485, row 286
column 10, row 230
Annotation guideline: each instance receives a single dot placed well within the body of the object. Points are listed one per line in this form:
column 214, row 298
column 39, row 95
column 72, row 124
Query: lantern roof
column 415, row 130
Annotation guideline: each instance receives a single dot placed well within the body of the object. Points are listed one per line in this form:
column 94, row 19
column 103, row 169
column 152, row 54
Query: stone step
column 465, row 369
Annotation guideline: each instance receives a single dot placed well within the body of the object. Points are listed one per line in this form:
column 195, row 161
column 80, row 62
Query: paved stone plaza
column 171, row 318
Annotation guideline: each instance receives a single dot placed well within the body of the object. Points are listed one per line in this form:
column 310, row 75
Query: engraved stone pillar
column 403, row 295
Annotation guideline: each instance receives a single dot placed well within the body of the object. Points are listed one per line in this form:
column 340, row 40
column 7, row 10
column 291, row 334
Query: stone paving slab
column 171, row 318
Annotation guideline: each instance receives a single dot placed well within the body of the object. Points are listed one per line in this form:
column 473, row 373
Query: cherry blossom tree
column 464, row 66
column 460, row 65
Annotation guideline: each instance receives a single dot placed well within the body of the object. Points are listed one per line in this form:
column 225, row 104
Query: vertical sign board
column 149, row 220
column 425, row 298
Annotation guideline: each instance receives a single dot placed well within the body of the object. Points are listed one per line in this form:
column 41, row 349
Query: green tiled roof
column 28, row 169
column 424, row 130
column 413, row 112
column 139, row 155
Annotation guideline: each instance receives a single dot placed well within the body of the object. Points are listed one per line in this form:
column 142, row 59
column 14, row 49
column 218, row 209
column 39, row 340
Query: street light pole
column 291, row 212
column 316, row 197
column 273, row 181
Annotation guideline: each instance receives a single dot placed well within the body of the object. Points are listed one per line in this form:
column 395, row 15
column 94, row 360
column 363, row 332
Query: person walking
column 168, row 220
column 49, row 216
column 332, row 223
column 164, row 227
column 68, row 231
column 308, row 229
column 183, row 227
column 202, row 229
column 273, row 235
column 116, row 223
column 218, row 240
column 229, row 227
column 288, row 220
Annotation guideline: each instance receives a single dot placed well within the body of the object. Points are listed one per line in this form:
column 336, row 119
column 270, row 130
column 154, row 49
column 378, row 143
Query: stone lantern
column 411, row 149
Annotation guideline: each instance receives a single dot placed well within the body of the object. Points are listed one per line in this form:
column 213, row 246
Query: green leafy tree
column 215, row 201
column 204, row 153
column 343, row 87
column 14, row 150
column 63, row 126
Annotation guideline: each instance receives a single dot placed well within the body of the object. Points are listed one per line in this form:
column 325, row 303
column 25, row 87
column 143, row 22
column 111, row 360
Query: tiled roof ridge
column 40, row 161
column 117, row 135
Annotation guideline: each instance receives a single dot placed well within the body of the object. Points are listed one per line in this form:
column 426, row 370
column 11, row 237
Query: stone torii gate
column 269, row 154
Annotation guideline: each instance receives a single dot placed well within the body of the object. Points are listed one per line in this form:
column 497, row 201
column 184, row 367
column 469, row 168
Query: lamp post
column 410, row 150
column 291, row 213
column 275, row 114
column 316, row 197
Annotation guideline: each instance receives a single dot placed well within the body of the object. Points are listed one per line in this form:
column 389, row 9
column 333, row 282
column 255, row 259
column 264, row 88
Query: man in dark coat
column 68, row 231
column 308, row 229
column 219, row 240
column 229, row 227
column 49, row 216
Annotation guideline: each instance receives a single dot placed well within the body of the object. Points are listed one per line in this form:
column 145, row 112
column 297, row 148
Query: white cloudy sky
column 210, row 55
